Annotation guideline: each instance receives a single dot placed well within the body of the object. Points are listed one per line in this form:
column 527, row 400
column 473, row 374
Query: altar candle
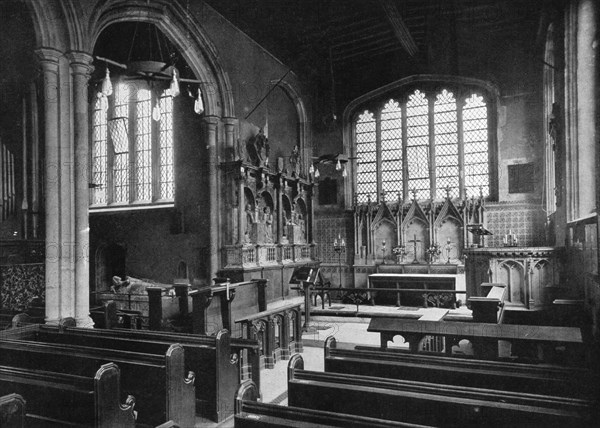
column 227, row 289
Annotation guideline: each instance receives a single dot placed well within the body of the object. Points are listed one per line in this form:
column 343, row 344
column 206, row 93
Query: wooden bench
column 485, row 337
column 252, row 414
column 491, row 307
column 506, row 376
column 157, row 379
column 59, row 399
column 269, row 325
column 429, row 403
column 214, row 359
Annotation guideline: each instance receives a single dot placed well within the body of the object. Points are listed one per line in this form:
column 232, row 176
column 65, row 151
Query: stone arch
column 183, row 31
column 56, row 25
column 303, row 128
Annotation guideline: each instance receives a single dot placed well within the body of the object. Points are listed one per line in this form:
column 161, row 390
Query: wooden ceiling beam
column 373, row 35
column 392, row 46
column 400, row 29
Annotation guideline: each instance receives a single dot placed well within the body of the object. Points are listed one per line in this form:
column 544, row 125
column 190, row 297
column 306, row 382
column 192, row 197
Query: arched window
column 426, row 142
column 132, row 146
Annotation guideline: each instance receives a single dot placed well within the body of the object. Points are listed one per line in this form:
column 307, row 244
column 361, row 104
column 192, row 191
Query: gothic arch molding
column 182, row 29
column 56, row 25
column 294, row 95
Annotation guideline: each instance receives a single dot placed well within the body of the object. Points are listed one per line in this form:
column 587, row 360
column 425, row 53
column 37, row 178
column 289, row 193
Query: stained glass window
column 121, row 150
column 446, row 145
column 99, row 154
column 167, row 179
column 143, row 146
column 391, row 149
column 417, row 144
column 399, row 136
column 366, row 151
column 132, row 160
column 475, row 137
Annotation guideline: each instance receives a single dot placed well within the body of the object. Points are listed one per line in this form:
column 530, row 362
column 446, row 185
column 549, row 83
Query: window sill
column 109, row 209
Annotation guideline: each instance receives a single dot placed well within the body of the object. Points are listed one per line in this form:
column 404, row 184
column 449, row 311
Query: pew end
column 12, row 411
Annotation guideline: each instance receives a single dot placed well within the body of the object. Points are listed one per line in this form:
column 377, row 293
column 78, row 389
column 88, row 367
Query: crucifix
column 414, row 241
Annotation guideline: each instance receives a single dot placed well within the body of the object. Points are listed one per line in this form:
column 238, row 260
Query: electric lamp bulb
column 344, row 173
column 311, row 169
column 174, row 87
column 156, row 112
column 338, row 165
column 107, row 88
column 198, row 105
column 317, row 173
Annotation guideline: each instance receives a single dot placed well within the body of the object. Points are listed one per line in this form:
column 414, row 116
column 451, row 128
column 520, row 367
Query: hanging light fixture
column 311, row 169
column 317, row 174
column 338, row 165
column 344, row 172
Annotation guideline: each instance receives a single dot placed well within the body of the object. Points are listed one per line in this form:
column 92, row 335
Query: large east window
column 132, row 147
column 428, row 144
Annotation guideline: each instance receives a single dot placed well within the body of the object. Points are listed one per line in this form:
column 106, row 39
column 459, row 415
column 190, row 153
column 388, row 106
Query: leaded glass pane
column 417, row 144
column 446, row 145
column 366, row 178
column 391, row 149
column 99, row 153
column 476, row 145
column 121, row 177
column 143, row 146
column 121, row 158
column 167, row 177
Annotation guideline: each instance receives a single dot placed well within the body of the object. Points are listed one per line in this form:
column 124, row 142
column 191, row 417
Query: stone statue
column 258, row 149
column 268, row 225
column 295, row 161
column 250, row 220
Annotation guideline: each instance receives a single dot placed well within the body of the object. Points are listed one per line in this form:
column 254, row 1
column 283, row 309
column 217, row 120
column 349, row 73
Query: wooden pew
column 429, row 403
column 264, row 320
column 249, row 413
column 506, row 376
column 484, row 336
column 12, row 411
column 213, row 359
column 59, row 399
column 157, row 380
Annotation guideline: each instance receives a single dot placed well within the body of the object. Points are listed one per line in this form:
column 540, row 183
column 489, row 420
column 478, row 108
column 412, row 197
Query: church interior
column 373, row 213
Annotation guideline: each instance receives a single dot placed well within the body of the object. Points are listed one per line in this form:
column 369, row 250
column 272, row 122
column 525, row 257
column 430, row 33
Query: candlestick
column 227, row 289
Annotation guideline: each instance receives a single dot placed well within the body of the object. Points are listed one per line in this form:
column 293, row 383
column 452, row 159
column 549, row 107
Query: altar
column 414, row 289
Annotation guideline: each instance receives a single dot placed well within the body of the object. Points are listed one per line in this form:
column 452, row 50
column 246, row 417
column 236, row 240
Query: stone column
column 211, row 123
column 587, row 81
column 49, row 61
column 81, row 69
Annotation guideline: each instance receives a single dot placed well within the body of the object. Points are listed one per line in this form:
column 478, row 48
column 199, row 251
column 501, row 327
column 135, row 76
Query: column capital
column 230, row 121
column 211, row 120
column 81, row 62
column 48, row 58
